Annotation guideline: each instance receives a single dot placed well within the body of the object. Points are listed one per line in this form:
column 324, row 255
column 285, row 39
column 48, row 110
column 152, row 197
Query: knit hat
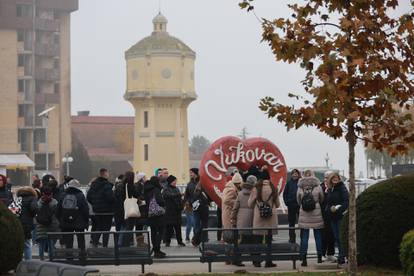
column 250, row 182
column 194, row 170
column 237, row 179
column 171, row 179
column 140, row 176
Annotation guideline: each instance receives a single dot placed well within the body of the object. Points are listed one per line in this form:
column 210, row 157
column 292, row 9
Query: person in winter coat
column 264, row 193
column 228, row 200
column 310, row 193
column 127, row 185
column 200, row 207
column 6, row 197
column 28, row 198
column 46, row 221
column 73, row 213
column 173, row 209
column 337, row 203
column 101, row 197
column 289, row 197
column 156, row 211
column 242, row 214
column 188, row 199
column 328, row 239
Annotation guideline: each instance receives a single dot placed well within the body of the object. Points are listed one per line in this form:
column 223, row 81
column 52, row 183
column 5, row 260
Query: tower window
column 145, row 119
column 146, row 152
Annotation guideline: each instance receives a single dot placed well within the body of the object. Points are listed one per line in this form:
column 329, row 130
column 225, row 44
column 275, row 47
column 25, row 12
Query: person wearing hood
column 28, row 198
column 264, row 194
column 289, row 197
column 101, row 197
column 310, row 197
column 156, row 211
column 188, row 200
column 242, row 214
column 6, row 196
column 173, row 208
column 73, row 213
column 228, row 200
column 46, row 221
column 337, row 203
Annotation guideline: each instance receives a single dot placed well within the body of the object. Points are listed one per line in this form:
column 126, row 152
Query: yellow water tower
column 160, row 86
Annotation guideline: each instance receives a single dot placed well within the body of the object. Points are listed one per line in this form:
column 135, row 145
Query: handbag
column 154, row 209
column 131, row 208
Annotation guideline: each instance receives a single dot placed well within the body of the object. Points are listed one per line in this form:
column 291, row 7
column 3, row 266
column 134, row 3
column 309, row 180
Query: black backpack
column 70, row 209
column 308, row 202
column 265, row 209
column 44, row 214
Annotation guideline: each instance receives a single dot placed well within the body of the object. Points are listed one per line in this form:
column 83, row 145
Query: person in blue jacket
column 289, row 197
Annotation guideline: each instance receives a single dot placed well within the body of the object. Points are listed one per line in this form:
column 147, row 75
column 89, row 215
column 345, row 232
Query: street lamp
column 67, row 160
column 45, row 115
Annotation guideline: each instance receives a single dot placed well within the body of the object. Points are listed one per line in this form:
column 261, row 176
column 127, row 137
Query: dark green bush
column 407, row 253
column 385, row 212
column 11, row 240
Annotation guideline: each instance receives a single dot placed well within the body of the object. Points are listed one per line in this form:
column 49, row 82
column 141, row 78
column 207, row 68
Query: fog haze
column 234, row 70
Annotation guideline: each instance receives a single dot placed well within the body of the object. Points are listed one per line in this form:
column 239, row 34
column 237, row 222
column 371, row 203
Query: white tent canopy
column 13, row 161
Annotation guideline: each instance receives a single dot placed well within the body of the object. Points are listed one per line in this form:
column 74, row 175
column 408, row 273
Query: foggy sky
column 234, row 70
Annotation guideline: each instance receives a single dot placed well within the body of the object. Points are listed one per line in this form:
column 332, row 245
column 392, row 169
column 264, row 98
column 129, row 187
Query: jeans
column 189, row 225
column 103, row 223
column 127, row 238
column 27, row 251
column 293, row 213
column 304, row 238
column 43, row 244
column 200, row 223
column 335, row 225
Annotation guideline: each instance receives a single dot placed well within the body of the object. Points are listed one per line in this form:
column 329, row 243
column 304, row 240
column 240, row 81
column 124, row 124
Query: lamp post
column 45, row 115
column 67, row 160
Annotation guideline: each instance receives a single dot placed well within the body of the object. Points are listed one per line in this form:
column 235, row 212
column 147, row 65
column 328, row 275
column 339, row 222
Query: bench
column 111, row 255
column 39, row 268
column 236, row 252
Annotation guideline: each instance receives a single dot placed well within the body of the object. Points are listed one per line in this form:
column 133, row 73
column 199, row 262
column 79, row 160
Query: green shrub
column 385, row 212
column 407, row 253
column 11, row 240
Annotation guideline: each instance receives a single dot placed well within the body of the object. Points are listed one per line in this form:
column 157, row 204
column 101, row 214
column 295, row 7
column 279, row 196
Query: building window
column 23, row 10
column 145, row 119
column 20, row 35
column 20, row 84
column 56, row 64
column 146, row 152
column 20, row 60
column 21, row 110
column 40, row 136
column 56, row 38
column 56, row 89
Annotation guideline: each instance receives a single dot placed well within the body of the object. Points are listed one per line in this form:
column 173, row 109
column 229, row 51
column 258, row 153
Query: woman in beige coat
column 311, row 217
column 265, row 192
column 227, row 203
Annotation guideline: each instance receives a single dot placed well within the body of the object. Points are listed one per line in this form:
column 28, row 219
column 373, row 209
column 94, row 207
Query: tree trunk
column 352, row 238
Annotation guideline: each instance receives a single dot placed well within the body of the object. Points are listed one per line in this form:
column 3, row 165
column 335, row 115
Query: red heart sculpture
column 232, row 151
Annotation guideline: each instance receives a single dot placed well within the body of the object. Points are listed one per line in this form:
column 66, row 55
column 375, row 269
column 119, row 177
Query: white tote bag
column 131, row 208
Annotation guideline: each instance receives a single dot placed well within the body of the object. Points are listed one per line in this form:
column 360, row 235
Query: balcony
column 50, row 25
column 50, row 50
column 47, row 74
column 44, row 98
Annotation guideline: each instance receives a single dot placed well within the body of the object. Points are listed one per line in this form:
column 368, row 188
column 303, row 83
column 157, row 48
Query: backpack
column 44, row 214
column 154, row 209
column 308, row 202
column 70, row 209
column 265, row 209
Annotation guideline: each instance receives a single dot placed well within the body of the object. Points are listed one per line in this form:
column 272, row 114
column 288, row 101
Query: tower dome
column 159, row 42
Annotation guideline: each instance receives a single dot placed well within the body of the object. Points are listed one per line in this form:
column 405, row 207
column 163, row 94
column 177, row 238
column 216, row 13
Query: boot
column 319, row 259
column 141, row 241
column 304, row 261
column 270, row 264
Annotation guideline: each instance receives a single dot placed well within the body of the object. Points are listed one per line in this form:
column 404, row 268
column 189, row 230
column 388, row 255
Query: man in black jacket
column 73, row 213
column 101, row 197
column 289, row 197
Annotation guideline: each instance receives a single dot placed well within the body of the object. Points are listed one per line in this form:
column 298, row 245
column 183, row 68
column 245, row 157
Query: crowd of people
column 249, row 200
